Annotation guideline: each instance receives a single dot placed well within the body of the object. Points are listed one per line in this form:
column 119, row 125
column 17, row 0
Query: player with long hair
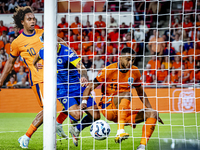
column 27, row 45
column 118, row 79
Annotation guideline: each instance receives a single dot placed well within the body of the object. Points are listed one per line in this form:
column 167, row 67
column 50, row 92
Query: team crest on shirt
column 99, row 74
column 64, row 101
column 130, row 80
column 60, row 61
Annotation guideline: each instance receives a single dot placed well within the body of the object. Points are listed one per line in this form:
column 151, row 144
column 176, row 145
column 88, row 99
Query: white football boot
column 59, row 131
column 75, row 134
column 141, row 147
column 24, row 141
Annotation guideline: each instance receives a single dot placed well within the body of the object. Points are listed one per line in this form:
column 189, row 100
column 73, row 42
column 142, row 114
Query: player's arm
column 8, row 67
column 36, row 59
column 82, row 70
column 61, row 41
column 86, row 93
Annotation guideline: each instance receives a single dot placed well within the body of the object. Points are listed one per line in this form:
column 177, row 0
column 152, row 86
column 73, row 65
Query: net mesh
column 165, row 36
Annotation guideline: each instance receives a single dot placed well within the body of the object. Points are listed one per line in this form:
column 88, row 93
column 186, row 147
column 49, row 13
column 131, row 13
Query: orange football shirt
column 27, row 46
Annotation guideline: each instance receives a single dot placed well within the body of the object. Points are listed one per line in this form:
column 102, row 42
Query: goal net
column 165, row 36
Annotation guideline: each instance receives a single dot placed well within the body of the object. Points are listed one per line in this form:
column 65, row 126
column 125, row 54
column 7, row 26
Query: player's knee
column 153, row 114
column 76, row 115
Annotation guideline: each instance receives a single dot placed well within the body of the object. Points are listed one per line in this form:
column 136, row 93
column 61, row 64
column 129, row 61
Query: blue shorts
column 67, row 102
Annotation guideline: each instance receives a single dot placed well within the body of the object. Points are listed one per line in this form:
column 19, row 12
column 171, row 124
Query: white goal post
column 50, row 77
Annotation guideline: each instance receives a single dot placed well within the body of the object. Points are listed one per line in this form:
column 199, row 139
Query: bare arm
column 8, row 67
column 81, row 69
column 89, row 88
column 36, row 59
column 144, row 98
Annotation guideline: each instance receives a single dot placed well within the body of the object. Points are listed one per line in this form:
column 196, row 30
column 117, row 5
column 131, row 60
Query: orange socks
column 31, row 130
column 147, row 130
column 123, row 113
column 61, row 117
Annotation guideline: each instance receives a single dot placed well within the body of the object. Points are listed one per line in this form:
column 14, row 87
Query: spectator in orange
column 90, row 53
column 148, row 75
column 177, row 63
column 103, row 35
column 183, row 53
column 167, row 63
column 1, row 44
column 75, row 25
column 176, row 23
column 11, row 82
column 7, row 46
column 156, row 44
column 133, row 43
column 184, row 75
column 36, row 25
column 2, row 27
column 162, row 75
column 153, row 63
column 90, row 35
column 195, row 78
column 173, row 77
column 100, row 23
column 195, row 52
column 114, row 36
column 60, row 33
column 109, row 49
column 188, row 5
column 86, row 44
column 190, row 64
column 187, row 24
column 17, row 65
column 63, row 23
column 99, row 46
column 75, row 44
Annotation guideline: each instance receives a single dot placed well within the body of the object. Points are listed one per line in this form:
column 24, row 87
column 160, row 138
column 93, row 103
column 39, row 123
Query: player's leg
column 150, row 116
column 122, row 103
column 24, row 140
column 92, row 115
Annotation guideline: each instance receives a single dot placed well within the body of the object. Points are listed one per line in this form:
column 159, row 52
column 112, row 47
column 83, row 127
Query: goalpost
column 50, row 77
column 179, row 107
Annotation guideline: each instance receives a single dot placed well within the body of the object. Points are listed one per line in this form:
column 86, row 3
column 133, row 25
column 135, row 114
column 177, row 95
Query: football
column 100, row 130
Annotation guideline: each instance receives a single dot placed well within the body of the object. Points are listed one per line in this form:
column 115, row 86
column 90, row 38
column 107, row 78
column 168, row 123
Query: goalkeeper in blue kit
column 71, row 79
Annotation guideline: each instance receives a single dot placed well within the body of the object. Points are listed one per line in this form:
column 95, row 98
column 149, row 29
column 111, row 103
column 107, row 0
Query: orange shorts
column 38, row 90
column 111, row 112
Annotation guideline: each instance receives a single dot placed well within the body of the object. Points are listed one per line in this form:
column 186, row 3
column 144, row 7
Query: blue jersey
column 68, row 78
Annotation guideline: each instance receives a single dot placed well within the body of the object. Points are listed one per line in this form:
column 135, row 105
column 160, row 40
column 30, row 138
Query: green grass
column 14, row 125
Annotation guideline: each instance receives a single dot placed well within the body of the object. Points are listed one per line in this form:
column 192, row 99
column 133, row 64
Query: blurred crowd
column 167, row 47
column 8, row 6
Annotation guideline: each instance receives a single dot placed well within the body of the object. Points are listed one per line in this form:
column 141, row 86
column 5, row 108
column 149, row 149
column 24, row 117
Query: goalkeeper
column 71, row 73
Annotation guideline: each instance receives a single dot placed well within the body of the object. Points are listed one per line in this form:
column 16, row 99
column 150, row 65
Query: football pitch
column 180, row 130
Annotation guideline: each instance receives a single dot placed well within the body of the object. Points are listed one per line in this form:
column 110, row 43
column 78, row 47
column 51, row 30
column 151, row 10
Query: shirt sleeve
column 101, row 77
column 14, row 52
column 73, row 58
